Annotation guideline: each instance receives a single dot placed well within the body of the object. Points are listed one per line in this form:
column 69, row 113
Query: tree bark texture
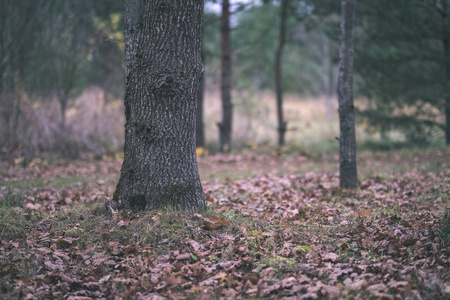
column 347, row 141
column 282, row 124
column 163, row 70
column 225, row 127
column 200, row 128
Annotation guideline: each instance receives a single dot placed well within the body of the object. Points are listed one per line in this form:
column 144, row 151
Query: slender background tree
column 282, row 124
column 225, row 126
column 347, row 142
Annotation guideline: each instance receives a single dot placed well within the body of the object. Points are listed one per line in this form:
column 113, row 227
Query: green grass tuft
column 444, row 231
column 12, row 215
column 11, row 199
column 12, row 223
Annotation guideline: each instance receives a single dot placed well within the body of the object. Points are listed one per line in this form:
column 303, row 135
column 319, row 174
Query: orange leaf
column 214, row 222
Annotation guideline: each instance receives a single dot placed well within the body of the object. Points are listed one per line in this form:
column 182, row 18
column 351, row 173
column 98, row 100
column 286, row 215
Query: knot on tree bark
column 167, row 82
column 167, row 85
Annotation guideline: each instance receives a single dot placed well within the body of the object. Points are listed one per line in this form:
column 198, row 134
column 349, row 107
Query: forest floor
column 275, row 227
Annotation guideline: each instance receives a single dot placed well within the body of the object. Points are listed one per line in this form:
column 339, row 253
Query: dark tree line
column 403, row 61
column 402, row 66
column 17, row 41
column 51, row 51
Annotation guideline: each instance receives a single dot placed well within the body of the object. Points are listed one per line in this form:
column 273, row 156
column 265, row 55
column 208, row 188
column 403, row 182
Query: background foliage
column 62, row 74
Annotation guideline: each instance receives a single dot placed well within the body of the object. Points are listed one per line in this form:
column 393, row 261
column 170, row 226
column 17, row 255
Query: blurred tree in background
column 282, row 124
column 348, row 177
column 226, row 79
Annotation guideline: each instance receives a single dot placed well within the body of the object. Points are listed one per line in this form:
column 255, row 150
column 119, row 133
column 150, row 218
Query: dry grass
column 311, row 125
column 98, row 121
column 96, row 124
column 312, row 121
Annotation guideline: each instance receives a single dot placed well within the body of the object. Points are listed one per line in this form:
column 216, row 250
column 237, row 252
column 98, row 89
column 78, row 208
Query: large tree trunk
column 282, row 124
column 163, row 71
column 227, row 105
column 348, row 171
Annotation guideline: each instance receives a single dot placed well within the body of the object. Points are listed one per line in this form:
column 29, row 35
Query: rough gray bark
column 200, row 128
column 163, row 71
column 282, row 124
column 347, row 141
column 226, row 79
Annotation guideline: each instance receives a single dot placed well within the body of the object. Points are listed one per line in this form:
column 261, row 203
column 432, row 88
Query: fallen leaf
column 215, row 222
column 53, row 267
column 331, row 256
column 183, row 256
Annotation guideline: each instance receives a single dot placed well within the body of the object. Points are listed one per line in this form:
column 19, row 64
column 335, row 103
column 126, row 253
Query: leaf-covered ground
column 276, row 227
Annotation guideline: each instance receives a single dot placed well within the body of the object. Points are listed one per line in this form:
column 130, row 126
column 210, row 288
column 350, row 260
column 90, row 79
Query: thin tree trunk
column 63, row 106
column 282, row 124
column 225, row 126
column 348, row 170
column 163, row 71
